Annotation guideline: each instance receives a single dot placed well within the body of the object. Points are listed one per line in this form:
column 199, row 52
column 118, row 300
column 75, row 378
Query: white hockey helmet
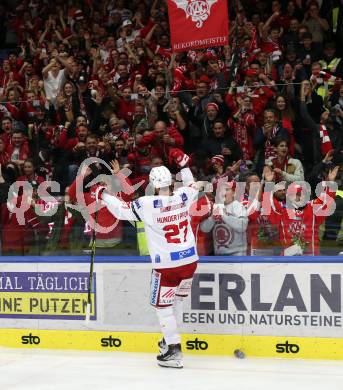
column 160, row 177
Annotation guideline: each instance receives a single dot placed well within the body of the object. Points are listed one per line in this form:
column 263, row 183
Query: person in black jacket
column 4, row 187
column 336, row 20
column 333, row 127
column 319, row 171
column 336, row 99
column 265, row 136
column 67, row 235
column 85, row 150
column 213, row 112
column 223, row 144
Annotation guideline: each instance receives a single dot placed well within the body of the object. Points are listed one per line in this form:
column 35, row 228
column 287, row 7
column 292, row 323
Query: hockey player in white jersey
column 172, row 248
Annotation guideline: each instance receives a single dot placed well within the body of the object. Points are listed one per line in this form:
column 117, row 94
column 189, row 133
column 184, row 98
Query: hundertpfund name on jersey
column 45, row 295
column 268, row 299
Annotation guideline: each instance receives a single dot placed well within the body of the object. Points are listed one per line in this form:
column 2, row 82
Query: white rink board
column 234, row 298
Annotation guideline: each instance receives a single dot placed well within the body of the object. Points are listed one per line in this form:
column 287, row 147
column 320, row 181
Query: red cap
column 214, row 106
column 205, row 79
column 217, row 159
column 251, row 72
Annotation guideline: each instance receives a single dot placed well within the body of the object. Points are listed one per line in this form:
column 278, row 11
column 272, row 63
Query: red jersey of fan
column 304, row 223
column 111, row 226
column 199, row 211
column 160, row 148
column 263, row 236
column 126, row 110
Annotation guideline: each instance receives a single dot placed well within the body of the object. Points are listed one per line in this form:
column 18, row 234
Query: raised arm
column 45, row 71
column 65, row 63
column 120, row 209
column 268, row 23
column 63, row 24
column 187, row 177
column 305, row 92
column 42, row 37
column 307, row 119
column 147, row 39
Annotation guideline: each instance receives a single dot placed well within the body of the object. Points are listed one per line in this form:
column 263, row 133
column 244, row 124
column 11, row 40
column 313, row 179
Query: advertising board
column 265, row 309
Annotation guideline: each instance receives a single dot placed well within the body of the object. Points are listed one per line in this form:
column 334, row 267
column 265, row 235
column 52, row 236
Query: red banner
column 196, row 24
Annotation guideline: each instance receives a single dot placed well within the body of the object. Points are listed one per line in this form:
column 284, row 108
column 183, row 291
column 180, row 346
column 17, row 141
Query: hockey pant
column 169, row 287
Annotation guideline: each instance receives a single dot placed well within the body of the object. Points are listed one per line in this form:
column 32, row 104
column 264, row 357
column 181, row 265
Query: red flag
column 196, row 24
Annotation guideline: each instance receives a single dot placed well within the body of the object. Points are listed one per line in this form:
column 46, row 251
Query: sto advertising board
column 274, row 309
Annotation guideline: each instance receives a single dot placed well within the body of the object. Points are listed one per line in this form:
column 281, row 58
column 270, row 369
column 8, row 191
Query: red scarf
column 241, row 133
column 325, row 142
column 269, row 148
column 282, row 166
column 253, row 45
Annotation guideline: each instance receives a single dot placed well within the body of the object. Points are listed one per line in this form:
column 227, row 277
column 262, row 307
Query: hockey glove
column 179, row 157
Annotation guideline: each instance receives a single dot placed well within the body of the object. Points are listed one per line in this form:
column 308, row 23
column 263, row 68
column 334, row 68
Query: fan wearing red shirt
column 7, row 76
column 73, row 143
column 270, row 35
column 17, row 238
column 140, row 164
column 162, row 139
column 126, row 106
column 111, row 229
column 4, row 158
column 6, row 130
column 199, row 211
column 299, row 221
column 30, row 174
column 15, row 62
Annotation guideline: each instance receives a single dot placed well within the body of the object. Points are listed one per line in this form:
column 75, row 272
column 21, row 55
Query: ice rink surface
column 70, row 370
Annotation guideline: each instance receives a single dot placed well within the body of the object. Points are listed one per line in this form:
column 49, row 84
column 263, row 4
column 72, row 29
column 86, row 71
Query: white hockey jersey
column 167, row 225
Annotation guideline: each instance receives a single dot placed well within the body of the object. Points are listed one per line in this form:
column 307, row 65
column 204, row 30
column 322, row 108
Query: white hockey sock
column 178, row 309
column 168, row 324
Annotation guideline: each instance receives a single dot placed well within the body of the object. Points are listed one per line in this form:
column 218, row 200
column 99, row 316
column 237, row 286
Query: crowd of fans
column 99, row 79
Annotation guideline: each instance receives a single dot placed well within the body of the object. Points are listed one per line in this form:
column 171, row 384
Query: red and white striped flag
column 325, row 142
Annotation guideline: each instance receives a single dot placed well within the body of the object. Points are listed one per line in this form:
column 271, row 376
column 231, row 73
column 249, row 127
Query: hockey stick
column 90, row 283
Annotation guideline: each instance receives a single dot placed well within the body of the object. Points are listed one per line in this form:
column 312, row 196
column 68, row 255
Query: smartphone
column 243, row 167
